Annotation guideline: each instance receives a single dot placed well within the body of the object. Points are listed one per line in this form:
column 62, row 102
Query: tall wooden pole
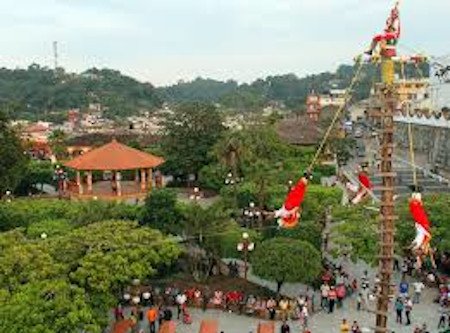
column 387, row 193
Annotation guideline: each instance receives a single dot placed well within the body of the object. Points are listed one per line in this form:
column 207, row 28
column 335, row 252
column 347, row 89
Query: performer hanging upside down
column 365, row 185
column 388, row 39
column 420, row 244
column 289, row 214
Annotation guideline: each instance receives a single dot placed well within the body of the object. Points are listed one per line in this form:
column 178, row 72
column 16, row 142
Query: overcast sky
column 163, row 41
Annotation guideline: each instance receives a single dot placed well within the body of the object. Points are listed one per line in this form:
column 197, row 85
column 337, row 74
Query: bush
column 24, row 212
column 49, row 227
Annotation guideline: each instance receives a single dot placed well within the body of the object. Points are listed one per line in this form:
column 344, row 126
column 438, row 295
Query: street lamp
column 60, row 176
column 196, row 195
column 245, row 246
column 251, row 215
column 8, row 196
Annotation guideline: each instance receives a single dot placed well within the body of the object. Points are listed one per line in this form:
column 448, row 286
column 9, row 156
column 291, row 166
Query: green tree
column 47, row 306
column 13, row 161
column 286, row 260
column 189, row 134
column 57, row 141
column 161, row 212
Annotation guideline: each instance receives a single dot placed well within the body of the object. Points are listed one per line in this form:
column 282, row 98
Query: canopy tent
column 209, row 326
column 268, row 327
column 167, row 327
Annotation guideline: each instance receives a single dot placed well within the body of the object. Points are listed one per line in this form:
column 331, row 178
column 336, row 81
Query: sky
column 164, row 41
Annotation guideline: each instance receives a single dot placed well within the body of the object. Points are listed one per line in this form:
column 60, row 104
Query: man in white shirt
column 324, row 289
column 180, row 299
column 418, row 287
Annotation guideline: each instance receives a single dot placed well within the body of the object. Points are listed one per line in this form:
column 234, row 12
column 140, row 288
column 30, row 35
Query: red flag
column 289, row 214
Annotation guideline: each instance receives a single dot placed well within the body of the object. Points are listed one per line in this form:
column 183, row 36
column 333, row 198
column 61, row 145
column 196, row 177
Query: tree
column 286, row 260
column 161, row 212
column 189, row 134
column 47, row 306
column 13, row 161
column 57, row 142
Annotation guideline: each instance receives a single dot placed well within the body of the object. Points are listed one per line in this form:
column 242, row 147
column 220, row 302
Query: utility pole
column 55, row 55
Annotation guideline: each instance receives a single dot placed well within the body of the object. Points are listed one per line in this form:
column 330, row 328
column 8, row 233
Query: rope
column 411, row 153
column 347, row 97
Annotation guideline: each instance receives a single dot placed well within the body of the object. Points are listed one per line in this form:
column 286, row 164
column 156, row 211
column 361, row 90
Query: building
column 313, row 106
column 315, row 103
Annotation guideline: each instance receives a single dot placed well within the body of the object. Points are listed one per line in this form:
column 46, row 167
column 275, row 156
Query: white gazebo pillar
column 89, row 182
column 149, row 179
column 143, row 181
column 79, row 184
column 118, row 184
column 136, row 176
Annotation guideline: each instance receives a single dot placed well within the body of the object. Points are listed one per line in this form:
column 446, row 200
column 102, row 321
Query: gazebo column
column 79, row 184
column 136, row 176
column 149, row 179
column 143, row 182
column 89, row 182
column 118, row 184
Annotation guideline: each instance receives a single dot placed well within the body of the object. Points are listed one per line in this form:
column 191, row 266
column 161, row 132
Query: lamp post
column 196, row 195
column 252, row 214
column 8, row 196
column 60, row 177
column 245, row 246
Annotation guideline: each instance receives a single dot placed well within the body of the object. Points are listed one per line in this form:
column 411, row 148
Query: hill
column 41, row 93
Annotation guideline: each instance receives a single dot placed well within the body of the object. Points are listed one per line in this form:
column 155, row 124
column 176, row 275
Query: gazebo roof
column 114, row 156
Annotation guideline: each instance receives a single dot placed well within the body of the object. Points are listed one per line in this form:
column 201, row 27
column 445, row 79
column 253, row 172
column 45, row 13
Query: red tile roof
column 114, row 156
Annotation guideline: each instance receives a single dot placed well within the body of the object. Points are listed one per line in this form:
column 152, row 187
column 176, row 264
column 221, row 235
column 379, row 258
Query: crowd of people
column 336, row 286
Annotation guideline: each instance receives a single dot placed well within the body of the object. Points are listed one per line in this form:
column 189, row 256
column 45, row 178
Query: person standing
column 271, row 305
column 408, row 309
column 345, row 327
column 181, row 299
column 285, row 328
column 399, row 310
column 418, row 287
column 284, row 306
column 332, row 297
column 152, row 316
column 355, row 327
column 443, row 316
column 358, row 301
column 403, row 288
column 324, row 289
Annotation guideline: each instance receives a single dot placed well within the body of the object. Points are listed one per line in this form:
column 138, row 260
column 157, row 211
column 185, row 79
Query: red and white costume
column 365, row 185
column 391, row 34
column 422, row 223
column 289, row 214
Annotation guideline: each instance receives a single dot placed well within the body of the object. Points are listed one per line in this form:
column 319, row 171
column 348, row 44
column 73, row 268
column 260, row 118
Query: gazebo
column 114, row 158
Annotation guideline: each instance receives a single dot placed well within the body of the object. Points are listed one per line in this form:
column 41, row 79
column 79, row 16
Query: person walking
column 399, row 310
column 408, row 309
column 152, row 316
column 443, row 315
column 332, row 297
column 418, row 287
